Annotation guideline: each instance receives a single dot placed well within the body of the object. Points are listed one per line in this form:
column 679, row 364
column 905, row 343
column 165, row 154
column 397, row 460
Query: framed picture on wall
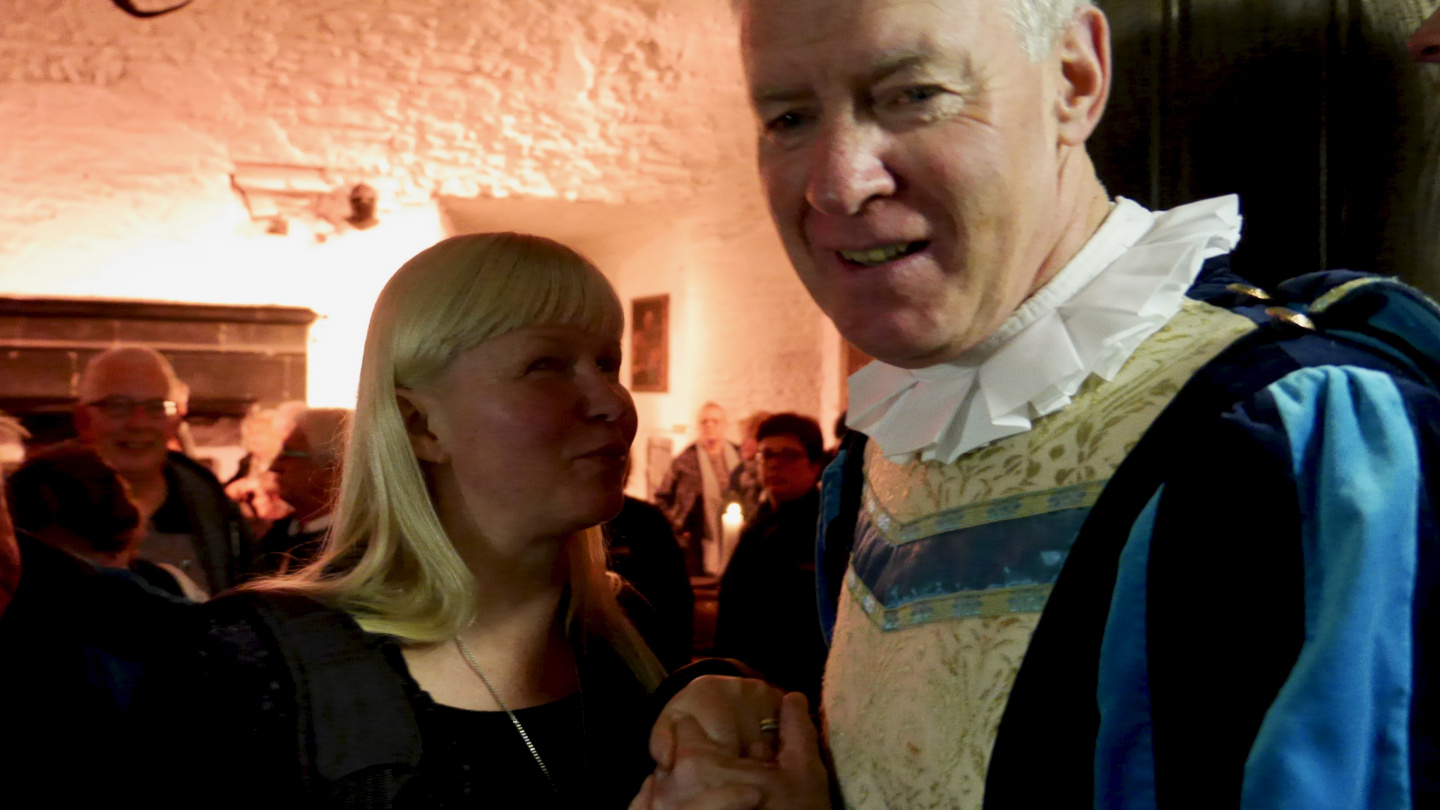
column 650, row 344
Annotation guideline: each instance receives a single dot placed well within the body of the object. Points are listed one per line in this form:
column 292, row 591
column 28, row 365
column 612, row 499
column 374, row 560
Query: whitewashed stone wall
column 119, row 136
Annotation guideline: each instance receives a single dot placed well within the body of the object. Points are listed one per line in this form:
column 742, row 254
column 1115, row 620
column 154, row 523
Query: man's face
column 303, row 475
column 909, row 153
column 712, row 425
column 1425, row 44
column 130, row 418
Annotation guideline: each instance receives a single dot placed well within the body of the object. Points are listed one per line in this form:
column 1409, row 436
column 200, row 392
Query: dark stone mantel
column 230, row 356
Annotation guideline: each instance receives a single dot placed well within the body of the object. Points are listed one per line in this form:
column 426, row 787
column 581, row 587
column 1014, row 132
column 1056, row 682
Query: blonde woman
column 458, row 641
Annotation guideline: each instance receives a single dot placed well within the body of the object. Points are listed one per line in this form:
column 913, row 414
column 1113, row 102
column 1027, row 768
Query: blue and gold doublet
column 952, row 566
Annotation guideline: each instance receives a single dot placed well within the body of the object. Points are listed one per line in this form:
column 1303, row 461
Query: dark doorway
column 1309, row 109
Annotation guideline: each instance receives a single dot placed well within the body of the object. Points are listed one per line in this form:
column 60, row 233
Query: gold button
column 1246, row 289
column 1291, row 317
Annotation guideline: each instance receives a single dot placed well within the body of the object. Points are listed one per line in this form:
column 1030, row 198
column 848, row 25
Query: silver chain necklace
column 515, row 721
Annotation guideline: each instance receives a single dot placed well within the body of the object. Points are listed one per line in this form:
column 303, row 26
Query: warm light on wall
column 223, row 258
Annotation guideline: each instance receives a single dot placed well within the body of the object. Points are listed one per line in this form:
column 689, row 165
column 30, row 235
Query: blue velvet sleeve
column 1338, row 733
column 1270, row 641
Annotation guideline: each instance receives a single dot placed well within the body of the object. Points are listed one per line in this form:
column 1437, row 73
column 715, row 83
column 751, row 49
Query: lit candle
column 730, row 523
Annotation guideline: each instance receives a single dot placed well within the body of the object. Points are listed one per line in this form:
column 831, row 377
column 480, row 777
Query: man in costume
column 1114, row 528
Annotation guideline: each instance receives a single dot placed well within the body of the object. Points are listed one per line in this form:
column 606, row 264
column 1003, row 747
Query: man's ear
column 415, row 416
column 1085, row 74
column 82, row 420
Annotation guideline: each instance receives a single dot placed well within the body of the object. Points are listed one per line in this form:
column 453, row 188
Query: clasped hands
column 728, row 743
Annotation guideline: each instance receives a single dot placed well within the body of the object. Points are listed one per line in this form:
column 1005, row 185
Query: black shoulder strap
column 358, row 736
column 843, row 486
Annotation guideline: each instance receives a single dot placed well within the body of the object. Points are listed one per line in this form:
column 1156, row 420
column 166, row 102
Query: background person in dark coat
column 768, row 616
column 75, row 638
column 643, row 551
column 68, row 498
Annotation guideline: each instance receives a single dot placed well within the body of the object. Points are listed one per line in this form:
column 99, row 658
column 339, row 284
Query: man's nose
column 847, row 169
column 1425, row 45
column 138, row 418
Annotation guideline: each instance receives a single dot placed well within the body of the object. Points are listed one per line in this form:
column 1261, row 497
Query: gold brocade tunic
column 951, row 568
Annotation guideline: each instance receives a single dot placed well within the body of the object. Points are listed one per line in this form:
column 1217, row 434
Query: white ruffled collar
column 1127, row 281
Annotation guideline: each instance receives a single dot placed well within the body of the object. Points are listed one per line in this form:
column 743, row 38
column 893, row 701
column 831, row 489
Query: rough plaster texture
column 120, row 135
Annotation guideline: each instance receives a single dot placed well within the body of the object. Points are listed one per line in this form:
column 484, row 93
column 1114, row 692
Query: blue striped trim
column 1014, row 555
column 1337, row 735
column 1009, row 507
column 1125, row 744
column 965, row 605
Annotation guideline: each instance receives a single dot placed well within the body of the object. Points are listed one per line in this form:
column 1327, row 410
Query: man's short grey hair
column 87, row 386
column 1039, row 23
column 324, row 429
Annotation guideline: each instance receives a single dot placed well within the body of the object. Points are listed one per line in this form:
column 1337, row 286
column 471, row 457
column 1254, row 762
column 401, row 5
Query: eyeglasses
column 118, row 407
column 788, row 456
column 304, row 454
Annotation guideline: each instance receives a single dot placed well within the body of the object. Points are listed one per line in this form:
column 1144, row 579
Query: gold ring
column 769, row 725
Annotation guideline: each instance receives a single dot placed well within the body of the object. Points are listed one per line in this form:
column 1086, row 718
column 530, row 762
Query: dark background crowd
column 123, row 501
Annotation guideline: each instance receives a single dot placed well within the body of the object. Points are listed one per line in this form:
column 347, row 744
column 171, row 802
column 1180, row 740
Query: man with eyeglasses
column 131, row 405
column 307, row 470
column 768, row 616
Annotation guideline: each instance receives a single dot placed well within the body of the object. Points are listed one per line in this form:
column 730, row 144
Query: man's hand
column 708, row 775
column 730, row 711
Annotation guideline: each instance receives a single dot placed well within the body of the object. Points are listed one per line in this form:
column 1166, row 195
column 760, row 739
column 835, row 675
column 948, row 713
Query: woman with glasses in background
column 767, row 613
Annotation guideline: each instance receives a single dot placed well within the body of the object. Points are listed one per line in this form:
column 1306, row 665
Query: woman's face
column 529, row 434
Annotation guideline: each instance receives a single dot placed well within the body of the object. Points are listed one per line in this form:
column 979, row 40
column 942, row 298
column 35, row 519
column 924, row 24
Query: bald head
column 114, row 369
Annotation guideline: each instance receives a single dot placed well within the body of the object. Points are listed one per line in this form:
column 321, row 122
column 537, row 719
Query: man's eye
column 915, row 95
column 906, row 97
column 784, row 122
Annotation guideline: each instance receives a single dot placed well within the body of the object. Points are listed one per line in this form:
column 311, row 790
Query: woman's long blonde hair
column 387, row 560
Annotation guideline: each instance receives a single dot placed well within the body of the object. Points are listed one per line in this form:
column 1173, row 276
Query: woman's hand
column 708, row 775
column 737, row 714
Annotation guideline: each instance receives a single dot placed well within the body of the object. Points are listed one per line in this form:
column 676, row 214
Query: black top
column 768, row 615
column 271, row 705
column 596, row 756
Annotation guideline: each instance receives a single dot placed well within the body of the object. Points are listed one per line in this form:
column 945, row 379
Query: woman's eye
column 609, row 366
column 547, row 364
